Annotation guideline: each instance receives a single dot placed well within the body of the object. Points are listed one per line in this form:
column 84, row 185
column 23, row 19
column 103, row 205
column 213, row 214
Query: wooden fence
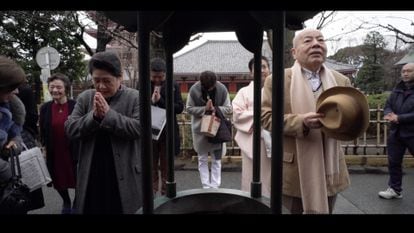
column 372, row 142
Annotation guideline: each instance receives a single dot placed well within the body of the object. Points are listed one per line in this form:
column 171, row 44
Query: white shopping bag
column 158, row 121
column 34, row 169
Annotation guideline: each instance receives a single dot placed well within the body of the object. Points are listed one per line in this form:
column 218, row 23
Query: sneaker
column 390, row 193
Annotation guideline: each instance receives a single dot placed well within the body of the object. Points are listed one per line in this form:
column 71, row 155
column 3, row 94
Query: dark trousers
column 397, row 146
column 159, row 164
column 294, row 204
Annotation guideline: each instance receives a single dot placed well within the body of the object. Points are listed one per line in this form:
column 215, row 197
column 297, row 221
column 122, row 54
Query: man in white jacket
column 243, row 122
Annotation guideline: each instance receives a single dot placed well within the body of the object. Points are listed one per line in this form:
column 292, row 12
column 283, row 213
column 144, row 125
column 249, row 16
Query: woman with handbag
column 202, row 98
column 60, row 151
column 30, row 134
column 12, row 114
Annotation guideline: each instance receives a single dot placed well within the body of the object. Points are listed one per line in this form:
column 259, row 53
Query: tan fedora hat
column 346, row 112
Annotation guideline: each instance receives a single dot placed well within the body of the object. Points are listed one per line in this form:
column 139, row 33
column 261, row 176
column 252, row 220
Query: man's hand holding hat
column 346, row 112
column 311, row 120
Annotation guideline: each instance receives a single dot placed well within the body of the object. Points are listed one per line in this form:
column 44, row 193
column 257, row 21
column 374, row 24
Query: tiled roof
column 228, row 57
column 339, row 66
column 409, row 58
column 219, row 56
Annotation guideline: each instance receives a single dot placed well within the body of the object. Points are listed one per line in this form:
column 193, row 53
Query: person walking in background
column 243, row 122
column 158, row 98
column 106, row 122
column 314, row 168
column 61, row 153
column 399, row 111
column 202, row 98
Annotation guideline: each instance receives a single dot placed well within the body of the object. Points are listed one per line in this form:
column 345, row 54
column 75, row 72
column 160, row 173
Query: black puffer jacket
column 401, row 102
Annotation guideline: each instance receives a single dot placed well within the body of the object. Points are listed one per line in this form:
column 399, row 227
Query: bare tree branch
column 396, row 30
column 325, row 19
column 406, row 37
column 116, row 32
column 359, row 27
column 127, row 41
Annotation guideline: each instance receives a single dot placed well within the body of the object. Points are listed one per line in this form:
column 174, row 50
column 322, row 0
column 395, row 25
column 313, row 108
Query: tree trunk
column 102, row 38
column 289, row 34
column 156, row 46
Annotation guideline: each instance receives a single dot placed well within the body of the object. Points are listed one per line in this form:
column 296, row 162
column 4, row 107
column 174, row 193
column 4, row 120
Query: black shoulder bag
column 14, row 196
column 224, row 131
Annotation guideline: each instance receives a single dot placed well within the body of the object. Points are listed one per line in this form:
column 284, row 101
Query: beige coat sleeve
column 266, row 113
column 292, row 123
column 293, row 126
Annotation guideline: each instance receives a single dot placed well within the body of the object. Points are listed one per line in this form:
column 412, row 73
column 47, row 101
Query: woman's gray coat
column 122, row 121
column 196, row 106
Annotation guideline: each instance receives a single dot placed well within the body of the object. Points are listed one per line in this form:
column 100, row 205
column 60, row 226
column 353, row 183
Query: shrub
column 377, row 99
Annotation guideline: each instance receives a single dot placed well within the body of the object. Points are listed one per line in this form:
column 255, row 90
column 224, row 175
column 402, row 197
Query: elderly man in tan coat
column 314, row 168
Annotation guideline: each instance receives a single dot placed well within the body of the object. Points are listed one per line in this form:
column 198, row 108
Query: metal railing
column 372, row 142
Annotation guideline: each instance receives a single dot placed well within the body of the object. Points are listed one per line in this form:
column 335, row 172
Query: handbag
column 14, row 196
column 209, row 125
column 36, row 196
column 224, row 131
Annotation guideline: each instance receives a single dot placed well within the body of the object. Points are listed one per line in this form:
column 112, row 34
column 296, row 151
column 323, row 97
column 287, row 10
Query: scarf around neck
column 318, row 156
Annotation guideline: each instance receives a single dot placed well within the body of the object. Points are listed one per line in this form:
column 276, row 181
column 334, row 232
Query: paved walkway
column 362, row 195
column 360, row 198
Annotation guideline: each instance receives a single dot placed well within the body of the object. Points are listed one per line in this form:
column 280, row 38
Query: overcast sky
column 344, row 21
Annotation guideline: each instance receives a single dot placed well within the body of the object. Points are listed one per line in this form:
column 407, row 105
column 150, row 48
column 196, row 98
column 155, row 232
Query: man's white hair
column 299, row 33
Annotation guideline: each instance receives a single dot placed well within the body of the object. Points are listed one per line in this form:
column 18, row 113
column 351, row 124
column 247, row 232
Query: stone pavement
column 362, row 195
column 360, row 198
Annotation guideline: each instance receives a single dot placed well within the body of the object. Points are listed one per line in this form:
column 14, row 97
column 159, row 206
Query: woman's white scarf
column 318, row 156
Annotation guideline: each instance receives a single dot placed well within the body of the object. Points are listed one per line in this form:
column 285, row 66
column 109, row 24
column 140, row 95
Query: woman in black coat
column 61, row 155
column 30, row 134
column 158, row 90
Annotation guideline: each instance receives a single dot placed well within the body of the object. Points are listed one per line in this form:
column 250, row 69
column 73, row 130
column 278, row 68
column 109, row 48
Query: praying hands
column 100, row 106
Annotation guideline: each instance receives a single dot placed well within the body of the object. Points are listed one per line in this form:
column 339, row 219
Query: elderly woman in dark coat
column 61, row 153
column 12, row 114
column 106, row 119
